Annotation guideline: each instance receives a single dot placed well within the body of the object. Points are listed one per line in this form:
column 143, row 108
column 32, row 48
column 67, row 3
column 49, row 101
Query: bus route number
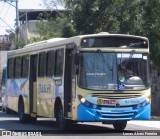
column 44, row 88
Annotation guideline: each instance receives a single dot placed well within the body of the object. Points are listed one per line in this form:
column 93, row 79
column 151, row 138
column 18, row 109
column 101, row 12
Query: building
column 5, row 42
column 28, row 19
column 3, row 60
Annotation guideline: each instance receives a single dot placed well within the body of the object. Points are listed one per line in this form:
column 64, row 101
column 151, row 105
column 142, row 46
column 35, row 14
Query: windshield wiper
column 136, row 44
column 104, row 60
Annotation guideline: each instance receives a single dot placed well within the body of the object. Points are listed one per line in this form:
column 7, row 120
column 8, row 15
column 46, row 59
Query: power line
column 9, row 0
column 2, row 8
column 17, row 14
column 5, row 14
column 7, row 24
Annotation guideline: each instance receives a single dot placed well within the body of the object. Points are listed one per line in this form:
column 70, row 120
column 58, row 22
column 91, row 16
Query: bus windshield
column 113, row 71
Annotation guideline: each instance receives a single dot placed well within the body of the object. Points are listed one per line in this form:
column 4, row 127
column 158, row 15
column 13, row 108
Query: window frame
column 10, row 67
column 59, row 60
column 18, row 67
column 50, row 63
column 42, row 71
column 24, row 70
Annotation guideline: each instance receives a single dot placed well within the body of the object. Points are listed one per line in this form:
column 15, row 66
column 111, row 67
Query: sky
column 8, row 12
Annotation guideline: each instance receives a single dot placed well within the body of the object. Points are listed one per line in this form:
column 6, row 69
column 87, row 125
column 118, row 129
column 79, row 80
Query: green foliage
column 151, row 28
column 138, row 17
column 92, row 16
column 35, row 39
column 19, row 43
column 58, row 27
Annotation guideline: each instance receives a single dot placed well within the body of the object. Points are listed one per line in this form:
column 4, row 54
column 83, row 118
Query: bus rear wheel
column 8, row 111
column 60, row 121
column 22, row 115
column 120, row 125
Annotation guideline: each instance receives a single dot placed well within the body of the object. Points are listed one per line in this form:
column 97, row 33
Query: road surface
column 46, row 127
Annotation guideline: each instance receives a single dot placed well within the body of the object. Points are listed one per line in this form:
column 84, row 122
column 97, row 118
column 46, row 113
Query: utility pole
column 17, row 14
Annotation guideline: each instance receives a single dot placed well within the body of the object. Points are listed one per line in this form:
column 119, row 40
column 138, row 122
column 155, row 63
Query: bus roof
column 63, row 41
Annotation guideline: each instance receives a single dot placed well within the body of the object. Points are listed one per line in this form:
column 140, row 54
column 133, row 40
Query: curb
column 155, row 118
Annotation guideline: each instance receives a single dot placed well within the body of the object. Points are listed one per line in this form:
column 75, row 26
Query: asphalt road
column 46, row 127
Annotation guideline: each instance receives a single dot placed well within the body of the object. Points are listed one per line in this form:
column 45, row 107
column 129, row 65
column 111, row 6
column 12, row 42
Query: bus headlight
column 86, row 102
column 82, row 100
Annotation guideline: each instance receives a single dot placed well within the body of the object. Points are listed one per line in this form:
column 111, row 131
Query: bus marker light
column 94, row 106
column 138, row 106
column 144, row 103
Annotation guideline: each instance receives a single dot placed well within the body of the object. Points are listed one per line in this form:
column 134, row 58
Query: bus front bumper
column 85, row 113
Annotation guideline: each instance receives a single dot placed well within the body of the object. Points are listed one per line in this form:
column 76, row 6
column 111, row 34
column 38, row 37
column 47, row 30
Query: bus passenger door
column 68, row 83
column 32, row 84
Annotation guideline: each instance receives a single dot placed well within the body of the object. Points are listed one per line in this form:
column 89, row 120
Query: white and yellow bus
column 89, row 78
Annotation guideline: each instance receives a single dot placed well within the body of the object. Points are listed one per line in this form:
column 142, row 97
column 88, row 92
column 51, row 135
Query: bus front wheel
column 120, row 125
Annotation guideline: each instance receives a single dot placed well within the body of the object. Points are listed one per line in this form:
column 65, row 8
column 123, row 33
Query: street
column 11, row 122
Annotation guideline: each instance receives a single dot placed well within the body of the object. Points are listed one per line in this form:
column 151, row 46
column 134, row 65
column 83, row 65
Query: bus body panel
column 47, row 93
column 128, row 113
column 45, row 96
column 100, row 108
column 16, row 88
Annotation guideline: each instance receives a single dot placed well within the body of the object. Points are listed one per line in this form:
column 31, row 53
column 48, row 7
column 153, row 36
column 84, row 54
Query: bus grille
column 117, row 115
column 116, row 96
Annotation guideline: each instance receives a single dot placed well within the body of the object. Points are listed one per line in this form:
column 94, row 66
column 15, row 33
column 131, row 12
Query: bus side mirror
column 76, row 62
column 76, row 59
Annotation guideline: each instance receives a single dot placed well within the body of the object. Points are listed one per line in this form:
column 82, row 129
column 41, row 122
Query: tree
column 151, row 28
column 92, row 16
column 60, row 26
column 138, row 17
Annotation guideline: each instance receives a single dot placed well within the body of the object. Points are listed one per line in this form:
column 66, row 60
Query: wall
column 3, row 60
column 155, row 91
column 28, row 30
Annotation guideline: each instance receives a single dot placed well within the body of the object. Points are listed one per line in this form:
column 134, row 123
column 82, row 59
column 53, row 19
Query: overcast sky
column 8, row 12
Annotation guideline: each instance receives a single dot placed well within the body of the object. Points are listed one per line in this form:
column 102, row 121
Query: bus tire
column 8, row 111
column 32, row 119
column 3, row 109
column 60, row 121
column 120, row 125
column 22, row 116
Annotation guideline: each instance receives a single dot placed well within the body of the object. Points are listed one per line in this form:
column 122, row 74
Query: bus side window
column 25, row 66
column 59, row 60
column 42, row 64
column 50, row 63
column 18, row 67
column 10, row 69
